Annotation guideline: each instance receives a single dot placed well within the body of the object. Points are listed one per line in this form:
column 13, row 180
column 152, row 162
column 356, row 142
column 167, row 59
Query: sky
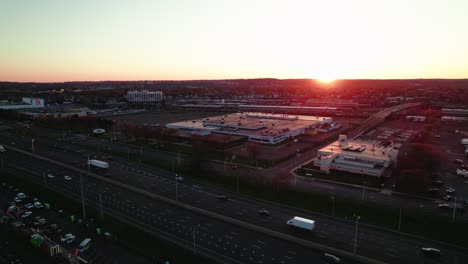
column 70, row 40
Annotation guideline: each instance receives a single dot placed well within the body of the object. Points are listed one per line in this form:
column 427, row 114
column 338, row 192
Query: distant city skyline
column 61, row 40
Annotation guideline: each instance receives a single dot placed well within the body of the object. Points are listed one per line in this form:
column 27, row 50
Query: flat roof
column 359, row 148
column 253, row 123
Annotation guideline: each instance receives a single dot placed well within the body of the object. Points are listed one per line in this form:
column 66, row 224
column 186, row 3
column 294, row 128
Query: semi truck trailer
column 303, row 223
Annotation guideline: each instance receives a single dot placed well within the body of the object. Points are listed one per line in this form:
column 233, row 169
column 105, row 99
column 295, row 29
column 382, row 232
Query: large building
column 258, row 127
column 144, row 96
column 357, row 156
column 26, row 103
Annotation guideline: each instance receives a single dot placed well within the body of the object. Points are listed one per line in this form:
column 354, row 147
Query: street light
column 32, row 145
column 355, row 234
column 363, row 188
column 176, row 188
column 194, row 245
column 333, row 205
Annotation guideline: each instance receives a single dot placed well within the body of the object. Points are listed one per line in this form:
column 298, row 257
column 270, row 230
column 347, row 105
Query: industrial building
column 257, row 127
column 357, row 156
column 144, row 96
column 26, row 103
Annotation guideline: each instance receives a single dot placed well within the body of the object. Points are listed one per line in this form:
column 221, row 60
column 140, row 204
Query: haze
column 49, row 41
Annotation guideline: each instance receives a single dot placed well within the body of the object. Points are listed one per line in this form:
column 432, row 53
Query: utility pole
column 399, row 221
column 355, row 234
column 82, row 196
column 32, row 145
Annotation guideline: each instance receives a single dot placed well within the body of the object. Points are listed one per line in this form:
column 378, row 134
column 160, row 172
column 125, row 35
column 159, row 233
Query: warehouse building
column 144, row 96
column 263, row 128
column 357, row 156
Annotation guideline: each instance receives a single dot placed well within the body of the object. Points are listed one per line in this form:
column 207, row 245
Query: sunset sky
column 72, row 40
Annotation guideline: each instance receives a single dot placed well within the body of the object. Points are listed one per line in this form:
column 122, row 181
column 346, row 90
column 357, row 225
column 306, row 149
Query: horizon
column 60, row 41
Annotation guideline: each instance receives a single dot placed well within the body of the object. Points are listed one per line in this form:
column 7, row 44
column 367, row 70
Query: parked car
column 26, row 214
column 450, row 190
column 67, row 178
column 447, row 198
column 50, row 176
column 438, row 183
column 21, row 195
column 29, row 206
column 17, row 200
column 68, row 238
column 38, row 205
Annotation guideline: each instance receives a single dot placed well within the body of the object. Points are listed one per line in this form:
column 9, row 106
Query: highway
column 217, row 239
column 375, row 243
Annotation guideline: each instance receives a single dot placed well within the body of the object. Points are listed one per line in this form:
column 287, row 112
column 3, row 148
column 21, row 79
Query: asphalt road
column 375, row 243
column 224, row 242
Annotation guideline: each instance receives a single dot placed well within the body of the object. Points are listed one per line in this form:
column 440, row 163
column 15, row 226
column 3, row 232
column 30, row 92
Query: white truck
column 2, row 148
column 303, row 223
column 98, row 163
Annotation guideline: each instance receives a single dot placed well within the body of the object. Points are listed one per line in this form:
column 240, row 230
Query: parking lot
column 40, row 217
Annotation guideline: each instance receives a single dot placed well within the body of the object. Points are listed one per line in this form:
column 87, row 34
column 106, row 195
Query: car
column 38, row 205
column 17, row 200
column 67, row 178
column 2, row 149
column 179, row 178
column 264, row 212
column 50, row 176
column 29, row 206
column 21, row 195
column 438, row 183
column 331, row 258
column 68, row 238
column 222, row 197
column 12, row 208
column 447, row 198
column 460, row 161
column 35, row 199
column 444, row 206
column 434, row 252
column 450, row 190
column 26, row 214
column 42, row 221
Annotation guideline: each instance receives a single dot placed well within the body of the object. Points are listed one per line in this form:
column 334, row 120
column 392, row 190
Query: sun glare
column 326, row 80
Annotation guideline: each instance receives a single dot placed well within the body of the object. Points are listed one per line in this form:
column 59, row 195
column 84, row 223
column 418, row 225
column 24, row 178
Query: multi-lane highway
column 217, row 239
column 371, row 242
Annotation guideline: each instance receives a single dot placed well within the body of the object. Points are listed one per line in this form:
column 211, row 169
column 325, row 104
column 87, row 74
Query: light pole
column 100, row 206
column 176, row 189
column 89, row 165
column 399, row 221
column 355, row 234
column 194, row 246
column 363, row 188
column 454, row 209
column 32, row 145
column 333, row 205
column 82, row 196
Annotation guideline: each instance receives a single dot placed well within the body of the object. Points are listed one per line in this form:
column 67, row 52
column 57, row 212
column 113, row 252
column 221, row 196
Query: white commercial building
column 26, row 103
column 144, row 96
column 263, row 128
column 357, row 156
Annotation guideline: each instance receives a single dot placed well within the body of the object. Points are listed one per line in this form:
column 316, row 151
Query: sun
column 326, row 80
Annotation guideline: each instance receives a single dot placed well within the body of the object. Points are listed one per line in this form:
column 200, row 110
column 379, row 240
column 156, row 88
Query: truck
column 303, row 223
column 98, row 163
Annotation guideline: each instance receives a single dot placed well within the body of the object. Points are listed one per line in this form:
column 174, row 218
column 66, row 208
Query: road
column 372, row 242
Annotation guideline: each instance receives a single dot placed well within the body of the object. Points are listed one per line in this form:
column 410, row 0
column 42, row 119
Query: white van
column 2, row 148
